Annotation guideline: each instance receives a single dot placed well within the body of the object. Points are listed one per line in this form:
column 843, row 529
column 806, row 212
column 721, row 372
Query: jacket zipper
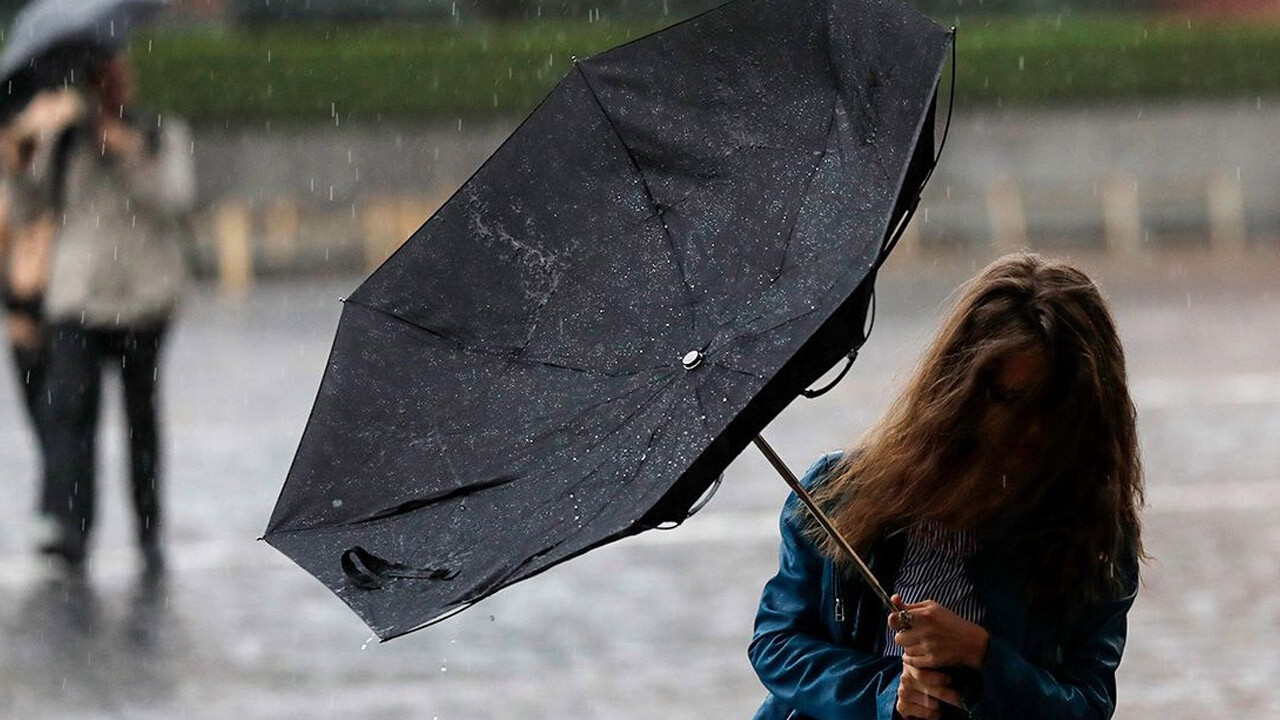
column 839, row 609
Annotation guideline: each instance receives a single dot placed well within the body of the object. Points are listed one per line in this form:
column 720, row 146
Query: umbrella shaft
column 824, row 521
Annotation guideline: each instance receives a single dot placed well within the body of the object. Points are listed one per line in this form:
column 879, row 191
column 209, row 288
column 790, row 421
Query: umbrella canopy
column 658, row 260
column 53, row 42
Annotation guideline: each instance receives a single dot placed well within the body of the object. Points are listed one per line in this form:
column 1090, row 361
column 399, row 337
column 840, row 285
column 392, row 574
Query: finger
column 924, row 661
column 912, row 690
column 944, row 694
column 927, row 677
column 907, row 638
column 909, row 709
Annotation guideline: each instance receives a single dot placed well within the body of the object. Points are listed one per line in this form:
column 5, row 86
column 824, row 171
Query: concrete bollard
column 1007, row 219
column 378, row 222
column 1227, row 231
column 283, row 219
column 234, row 228
column 389, row 220
column 411, row 213
column 1122, row 213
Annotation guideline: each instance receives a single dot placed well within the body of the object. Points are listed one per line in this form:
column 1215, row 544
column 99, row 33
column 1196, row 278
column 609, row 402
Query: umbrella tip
column 342, row 299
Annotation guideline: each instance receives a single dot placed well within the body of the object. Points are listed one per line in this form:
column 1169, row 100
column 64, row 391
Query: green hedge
column 370, row 72
column 1056, row 60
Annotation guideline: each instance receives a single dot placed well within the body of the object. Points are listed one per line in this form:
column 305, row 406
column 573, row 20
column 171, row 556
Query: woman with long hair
column 999, row 498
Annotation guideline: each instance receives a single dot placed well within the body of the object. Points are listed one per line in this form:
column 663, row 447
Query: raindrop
column 365, row 646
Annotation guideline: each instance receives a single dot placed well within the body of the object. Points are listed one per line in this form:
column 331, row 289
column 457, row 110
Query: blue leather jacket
column 819, row 635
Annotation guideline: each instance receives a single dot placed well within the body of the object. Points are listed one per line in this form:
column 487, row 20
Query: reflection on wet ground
column 70, row 644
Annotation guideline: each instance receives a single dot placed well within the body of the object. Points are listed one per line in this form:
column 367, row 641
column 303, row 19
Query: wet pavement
column 656, row 626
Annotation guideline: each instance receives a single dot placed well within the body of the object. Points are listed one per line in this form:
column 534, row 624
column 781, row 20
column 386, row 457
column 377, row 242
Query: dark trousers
column 78, row 357
column 29, row 363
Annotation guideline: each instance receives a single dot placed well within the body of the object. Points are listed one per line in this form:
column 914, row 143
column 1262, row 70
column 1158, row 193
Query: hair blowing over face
column 1075, row 505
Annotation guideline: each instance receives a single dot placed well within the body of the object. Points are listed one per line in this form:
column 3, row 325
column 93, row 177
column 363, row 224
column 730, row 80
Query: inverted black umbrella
column 54, row 42
column 671, row 247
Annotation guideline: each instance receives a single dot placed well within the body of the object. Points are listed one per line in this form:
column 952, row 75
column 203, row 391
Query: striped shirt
column 934, row 568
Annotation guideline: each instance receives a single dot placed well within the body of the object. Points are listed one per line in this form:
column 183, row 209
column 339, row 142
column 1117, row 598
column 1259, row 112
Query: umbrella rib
column 502, row 581
column 644, row 457
column 623, row 395
column 644, row 404
column 771, row 328
column 510, row 357
column 783, row 323
column 644, row 182
column 804, row 194
column 702, row 406
column 740, row 371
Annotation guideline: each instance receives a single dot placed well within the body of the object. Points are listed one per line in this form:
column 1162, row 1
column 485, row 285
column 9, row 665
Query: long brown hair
column 927, row 460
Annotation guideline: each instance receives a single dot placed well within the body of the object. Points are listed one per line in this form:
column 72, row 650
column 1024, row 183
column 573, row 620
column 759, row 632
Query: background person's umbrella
column 53, row 42
column 669, row 249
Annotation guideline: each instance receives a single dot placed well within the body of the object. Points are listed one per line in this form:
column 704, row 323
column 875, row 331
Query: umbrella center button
column 691, row 359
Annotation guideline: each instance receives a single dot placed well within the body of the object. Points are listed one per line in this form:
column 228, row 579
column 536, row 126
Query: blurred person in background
column 117, row 274
column 28, row 156
column 999, row 498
